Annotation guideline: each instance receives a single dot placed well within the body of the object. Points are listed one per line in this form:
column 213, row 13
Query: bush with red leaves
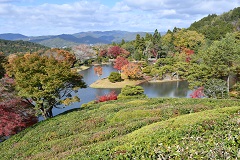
column 15, row 116
column 107, row 97
column 198, row 93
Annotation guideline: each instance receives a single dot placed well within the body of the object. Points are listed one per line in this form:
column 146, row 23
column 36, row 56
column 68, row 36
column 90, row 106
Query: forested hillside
column 215, row 27
column 10, row 47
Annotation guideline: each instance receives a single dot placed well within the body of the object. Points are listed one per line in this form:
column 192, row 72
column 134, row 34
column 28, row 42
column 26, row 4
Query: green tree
column 216, row 88
column 131, row 92
column 157, row 45
column 219, row 61
column 129, row 47
column 44, row 81
column 122, row 42
column 167, row 42
column 223, row 57
column 139, row 43
column 148, row 37
column 2, row 59
column 115, row 77
column 188, row 39
column 156, row 39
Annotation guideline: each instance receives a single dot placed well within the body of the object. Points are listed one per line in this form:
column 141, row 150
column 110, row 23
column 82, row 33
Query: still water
column 166, row 89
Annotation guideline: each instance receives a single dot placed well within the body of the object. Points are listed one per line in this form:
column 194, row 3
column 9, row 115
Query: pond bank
column 105, row 83
column 165, row 80
column 81, row 68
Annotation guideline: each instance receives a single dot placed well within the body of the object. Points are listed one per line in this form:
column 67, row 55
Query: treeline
column 10, row 47
column 209, row 60
column 215, row 27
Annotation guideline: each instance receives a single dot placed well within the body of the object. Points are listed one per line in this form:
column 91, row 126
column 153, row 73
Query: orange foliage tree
column 61, row 55
column 131, row 71
column 98, row 71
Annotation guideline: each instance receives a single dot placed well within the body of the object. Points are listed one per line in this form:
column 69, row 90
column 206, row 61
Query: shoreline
column 105, row 83
column 81, row 68
column 166, row 80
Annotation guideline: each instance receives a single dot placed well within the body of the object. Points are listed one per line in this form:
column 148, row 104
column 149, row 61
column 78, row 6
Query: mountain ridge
column 68, row 40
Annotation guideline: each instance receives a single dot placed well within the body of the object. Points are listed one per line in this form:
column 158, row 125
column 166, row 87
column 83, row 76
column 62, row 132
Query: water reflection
column 166, row 89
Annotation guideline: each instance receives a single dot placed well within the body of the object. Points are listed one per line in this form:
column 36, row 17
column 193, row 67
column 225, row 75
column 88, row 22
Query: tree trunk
column 46, row 113
column 228, row 84
column 43, row 113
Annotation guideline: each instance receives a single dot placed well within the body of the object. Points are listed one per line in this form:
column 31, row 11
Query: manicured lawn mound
column 127, row 129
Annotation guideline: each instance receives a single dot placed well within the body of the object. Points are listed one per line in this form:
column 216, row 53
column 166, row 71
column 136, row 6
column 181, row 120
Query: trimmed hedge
column 115, row 77
column 149, row 128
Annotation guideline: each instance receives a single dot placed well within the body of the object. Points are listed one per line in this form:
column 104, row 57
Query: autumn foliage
column 120, row 62
column 198, row 93
column 15, row 116
column 107, row 97
column 131, row 71
column 115, row 51
column 98, row 71
column 103, row 53
column 61, row 55
column 15, row 112
column 188, row 54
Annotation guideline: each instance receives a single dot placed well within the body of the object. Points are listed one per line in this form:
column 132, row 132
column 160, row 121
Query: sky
column 53, row 17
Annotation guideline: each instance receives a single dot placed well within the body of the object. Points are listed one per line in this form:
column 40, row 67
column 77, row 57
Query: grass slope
column 105, row 83
column 148, row 128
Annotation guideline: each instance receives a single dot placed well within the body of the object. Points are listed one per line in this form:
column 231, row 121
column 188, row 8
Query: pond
column 165, row 89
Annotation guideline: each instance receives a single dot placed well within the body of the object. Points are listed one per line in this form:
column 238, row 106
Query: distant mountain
column 68, row 40
column 111, row 36
column 12, row 36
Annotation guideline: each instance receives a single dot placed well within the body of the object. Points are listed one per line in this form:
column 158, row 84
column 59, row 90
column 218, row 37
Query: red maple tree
column 15, row 113
column 120, row 62
column 15, row 116
column 115, row 51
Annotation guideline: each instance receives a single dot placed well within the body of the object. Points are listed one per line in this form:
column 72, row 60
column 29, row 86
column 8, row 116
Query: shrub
column 132, row 91
column 198, row 93
column 115, row 77
column 235, row 91
column 88, row 105
column 147, row 69
column 108, row 97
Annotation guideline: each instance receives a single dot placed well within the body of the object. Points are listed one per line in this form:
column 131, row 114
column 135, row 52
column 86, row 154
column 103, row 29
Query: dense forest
column 11, row 47
column 215, row 27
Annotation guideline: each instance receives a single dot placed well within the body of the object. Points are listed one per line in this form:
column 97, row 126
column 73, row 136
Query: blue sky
column 51, row 17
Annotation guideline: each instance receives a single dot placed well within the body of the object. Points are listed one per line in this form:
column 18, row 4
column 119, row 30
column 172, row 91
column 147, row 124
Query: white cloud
column 121, row 7
column 130, row 15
